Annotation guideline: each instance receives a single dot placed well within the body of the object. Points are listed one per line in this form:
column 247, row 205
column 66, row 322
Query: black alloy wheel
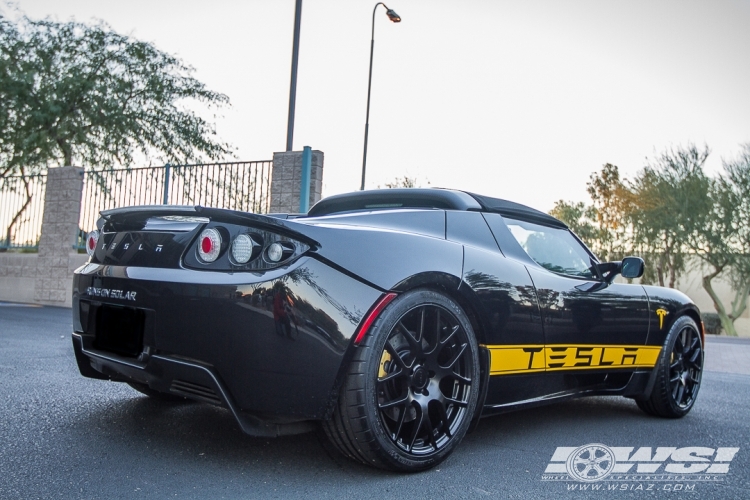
column 679, row 372
column 415, row 378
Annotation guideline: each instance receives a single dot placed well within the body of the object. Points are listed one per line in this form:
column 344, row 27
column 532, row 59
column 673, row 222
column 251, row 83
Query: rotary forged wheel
column 679, row 372
column 412, row 387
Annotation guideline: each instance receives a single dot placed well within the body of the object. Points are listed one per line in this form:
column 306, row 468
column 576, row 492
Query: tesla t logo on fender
column 662, row 313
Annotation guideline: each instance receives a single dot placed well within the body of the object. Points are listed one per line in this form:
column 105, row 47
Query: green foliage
column 603, row 225
column 670, row 200
column 404, row 182
column 672, row 212
column 79, row 94
column 580, row 218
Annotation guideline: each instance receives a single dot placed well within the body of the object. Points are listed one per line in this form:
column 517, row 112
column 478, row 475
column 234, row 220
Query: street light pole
column 293, row 83
column 396, row 19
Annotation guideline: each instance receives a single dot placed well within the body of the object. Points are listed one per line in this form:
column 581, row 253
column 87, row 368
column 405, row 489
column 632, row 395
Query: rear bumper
column 214, row 336
column 178, row 377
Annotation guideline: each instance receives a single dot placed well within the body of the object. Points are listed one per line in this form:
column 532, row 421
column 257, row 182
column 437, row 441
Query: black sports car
column 396, row 318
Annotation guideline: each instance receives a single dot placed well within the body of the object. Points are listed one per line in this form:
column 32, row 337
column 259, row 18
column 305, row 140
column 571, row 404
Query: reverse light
column 242, row 248
column 275, row 252
column 91, row 240
column 209, row 245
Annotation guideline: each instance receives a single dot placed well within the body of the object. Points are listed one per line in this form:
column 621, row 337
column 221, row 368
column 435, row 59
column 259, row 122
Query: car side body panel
column 217, row 326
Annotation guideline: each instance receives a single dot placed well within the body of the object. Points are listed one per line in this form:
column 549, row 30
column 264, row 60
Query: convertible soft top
column 444, row 199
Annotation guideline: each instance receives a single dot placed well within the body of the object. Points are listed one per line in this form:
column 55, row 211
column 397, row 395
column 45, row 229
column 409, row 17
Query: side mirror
column 632, row 267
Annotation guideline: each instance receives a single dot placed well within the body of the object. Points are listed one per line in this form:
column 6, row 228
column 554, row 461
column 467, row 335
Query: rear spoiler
column 133, row 218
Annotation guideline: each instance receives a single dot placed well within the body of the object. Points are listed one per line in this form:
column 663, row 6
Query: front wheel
column 679, row 372
column 412, row 387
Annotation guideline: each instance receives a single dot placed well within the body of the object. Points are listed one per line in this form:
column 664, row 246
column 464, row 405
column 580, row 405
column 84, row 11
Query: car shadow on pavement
column 182, row 434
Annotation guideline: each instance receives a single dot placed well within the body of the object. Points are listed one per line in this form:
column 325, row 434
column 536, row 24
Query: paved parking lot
column 728, row 355
column 63, row 436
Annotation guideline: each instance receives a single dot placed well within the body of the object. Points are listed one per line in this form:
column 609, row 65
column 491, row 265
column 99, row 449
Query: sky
column 520, row 100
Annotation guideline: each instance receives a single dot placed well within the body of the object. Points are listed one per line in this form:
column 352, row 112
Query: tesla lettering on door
column 509, row 359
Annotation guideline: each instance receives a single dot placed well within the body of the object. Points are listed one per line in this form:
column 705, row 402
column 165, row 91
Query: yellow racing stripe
column 531, row 358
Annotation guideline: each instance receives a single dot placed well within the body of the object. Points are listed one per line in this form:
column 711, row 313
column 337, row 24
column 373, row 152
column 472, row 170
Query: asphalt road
column 63, row 436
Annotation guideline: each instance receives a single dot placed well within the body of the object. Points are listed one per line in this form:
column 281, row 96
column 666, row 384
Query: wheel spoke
column 456, row 402
column 394, row 402
column 680, row 394
column 401, row 419
column 693, row 344
column 450, row 335
column 391, row 376
column 417, row 427
column 456, row 357
column 694, row 358
column 430, row 430
column 444, row 420
column 679, row 341
column 434, row 343
column 461, row 378
column 422, row 315
column 395, row 357
column 410, row 338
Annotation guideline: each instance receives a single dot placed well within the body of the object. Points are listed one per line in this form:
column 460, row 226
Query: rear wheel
column 679, row 372
column 412, row 387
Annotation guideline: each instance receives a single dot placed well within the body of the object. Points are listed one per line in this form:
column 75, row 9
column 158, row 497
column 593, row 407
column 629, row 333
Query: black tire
column 161, row 396
column 679, row 372
column 412, row 387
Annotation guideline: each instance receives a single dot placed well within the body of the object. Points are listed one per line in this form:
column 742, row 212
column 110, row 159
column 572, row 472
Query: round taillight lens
column 275, row 252
column 91, row 240
column 209, row 245
column 242, row 248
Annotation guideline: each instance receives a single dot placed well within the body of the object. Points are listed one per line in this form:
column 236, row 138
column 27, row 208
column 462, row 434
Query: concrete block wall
column 286, row 179
column 20, row 273
column 62, row 209
column 45, row 277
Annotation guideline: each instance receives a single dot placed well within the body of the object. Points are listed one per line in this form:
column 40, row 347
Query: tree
column 670, row 196
column 722, row 240
column 82, row 94
column 74, row 93
column 603, row 225
column 404, row 182
column 581, row 219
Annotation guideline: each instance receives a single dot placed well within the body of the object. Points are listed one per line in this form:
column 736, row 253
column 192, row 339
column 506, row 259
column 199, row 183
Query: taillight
column 242, row 248
column 231, row 247
column 91, row 240
column 209, row 245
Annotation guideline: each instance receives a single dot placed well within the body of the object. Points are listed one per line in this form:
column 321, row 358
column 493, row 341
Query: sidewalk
column 727, row 354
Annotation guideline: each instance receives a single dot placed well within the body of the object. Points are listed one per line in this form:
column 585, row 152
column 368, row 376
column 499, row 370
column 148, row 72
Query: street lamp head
column 393, row 16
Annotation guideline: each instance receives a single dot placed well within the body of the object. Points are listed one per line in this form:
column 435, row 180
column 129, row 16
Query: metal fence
column 244, row 186
column 21, row 211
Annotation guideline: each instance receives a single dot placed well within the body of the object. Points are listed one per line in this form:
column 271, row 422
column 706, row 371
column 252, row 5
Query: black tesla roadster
column 393, row 318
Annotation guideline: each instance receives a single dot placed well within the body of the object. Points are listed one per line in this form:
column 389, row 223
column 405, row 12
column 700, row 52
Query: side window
column 553, row 248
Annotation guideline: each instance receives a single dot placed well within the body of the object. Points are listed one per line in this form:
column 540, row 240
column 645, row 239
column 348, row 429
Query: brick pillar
column 287, row 177
column 62, row 208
